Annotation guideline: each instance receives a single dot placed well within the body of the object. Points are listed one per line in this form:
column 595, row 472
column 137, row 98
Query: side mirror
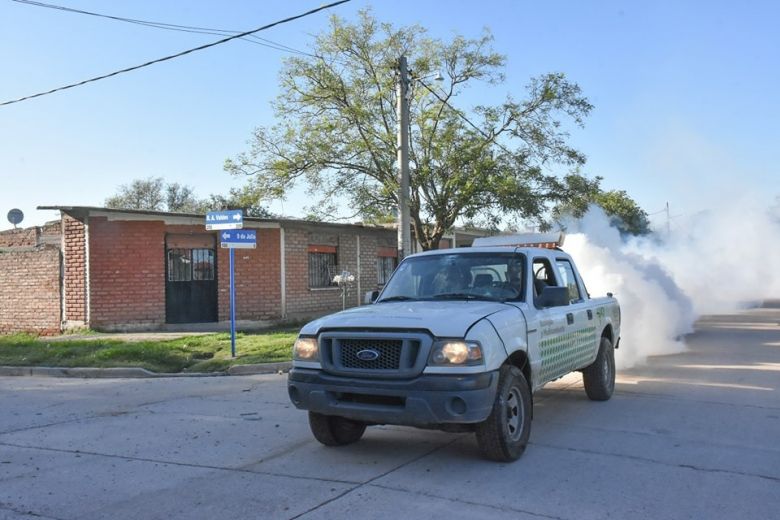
column 370, row 297
column 553, row 296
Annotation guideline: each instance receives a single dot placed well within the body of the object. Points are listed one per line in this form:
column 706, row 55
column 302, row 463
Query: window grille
column 185, row 265
column 320, row 267
column 384, row 268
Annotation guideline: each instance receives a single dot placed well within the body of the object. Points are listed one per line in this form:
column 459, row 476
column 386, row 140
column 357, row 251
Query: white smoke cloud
column 712, row 262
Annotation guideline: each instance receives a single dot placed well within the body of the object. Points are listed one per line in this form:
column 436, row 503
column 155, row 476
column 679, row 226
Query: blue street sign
column 233, row 237
column 229, row 219
column 238, row 238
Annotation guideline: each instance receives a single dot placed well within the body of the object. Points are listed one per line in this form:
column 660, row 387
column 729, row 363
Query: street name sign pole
column 235, row 239
column 232, row 303
column 232, row 236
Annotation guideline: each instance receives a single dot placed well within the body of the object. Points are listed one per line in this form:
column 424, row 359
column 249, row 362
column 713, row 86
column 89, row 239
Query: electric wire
column 243, row 36
column 178, row 54
column 171, row 27
column 460, row 114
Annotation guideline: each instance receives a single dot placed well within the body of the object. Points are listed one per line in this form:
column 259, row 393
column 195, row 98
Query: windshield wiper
column 399, row 298
column 461, row 296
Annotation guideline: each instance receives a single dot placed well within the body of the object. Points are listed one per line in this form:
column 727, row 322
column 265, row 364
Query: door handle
column 590, row 314
column 570, row 318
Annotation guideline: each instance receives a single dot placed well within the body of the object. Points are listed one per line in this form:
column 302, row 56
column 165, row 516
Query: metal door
column 191, row 280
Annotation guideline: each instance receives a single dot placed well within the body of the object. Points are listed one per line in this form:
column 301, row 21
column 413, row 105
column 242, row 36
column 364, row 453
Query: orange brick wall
column 258, row 279
column 126, row 273
column 30, row 290
column 74, row 271
column 124, row 288
column 25, row 237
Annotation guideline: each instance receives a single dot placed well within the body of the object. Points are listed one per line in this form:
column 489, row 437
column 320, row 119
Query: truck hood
column 450, row 319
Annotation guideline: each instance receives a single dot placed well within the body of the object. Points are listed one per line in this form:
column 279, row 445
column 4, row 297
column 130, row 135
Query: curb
column 262, row 368
column 139, row 373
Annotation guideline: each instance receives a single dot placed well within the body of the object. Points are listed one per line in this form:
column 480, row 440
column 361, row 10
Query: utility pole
column 668, row 222
column 402, row 109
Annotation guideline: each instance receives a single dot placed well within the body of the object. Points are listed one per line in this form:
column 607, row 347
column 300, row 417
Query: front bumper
column 427, row 400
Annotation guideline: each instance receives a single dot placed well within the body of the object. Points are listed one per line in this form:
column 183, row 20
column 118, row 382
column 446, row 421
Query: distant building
column 110, row 269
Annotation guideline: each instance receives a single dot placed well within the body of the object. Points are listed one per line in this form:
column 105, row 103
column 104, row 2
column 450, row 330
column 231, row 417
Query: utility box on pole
column 402, row 89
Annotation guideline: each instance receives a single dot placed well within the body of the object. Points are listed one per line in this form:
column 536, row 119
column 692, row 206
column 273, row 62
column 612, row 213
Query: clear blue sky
column 685, row 93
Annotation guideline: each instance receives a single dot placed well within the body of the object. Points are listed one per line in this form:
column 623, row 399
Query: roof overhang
column 194, row 219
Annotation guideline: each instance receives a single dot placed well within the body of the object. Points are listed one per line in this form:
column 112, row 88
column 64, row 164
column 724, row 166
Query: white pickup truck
column 458, row 340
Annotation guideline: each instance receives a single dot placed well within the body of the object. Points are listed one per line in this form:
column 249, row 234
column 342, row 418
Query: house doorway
column 190, row 279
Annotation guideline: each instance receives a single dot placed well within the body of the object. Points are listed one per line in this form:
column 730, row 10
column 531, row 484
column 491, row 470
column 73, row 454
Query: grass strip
column 205, row 353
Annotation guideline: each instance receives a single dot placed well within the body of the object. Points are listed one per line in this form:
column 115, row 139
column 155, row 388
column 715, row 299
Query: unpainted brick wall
column 303, row 301
column 30, row 290
column 258, row 279
column 126, row 273
column 74, row 271
column 49, row 233
column 26, row 237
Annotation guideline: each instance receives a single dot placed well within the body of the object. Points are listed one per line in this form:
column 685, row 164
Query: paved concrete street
column 695, row 435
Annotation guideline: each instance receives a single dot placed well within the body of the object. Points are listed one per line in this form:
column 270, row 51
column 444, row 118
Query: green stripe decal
column 566, row 352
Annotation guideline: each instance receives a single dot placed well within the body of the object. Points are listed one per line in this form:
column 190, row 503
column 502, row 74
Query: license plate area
column 369, row 399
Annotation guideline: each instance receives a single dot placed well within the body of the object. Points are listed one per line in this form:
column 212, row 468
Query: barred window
column 185, row 265
column 179, row 265
column 385, row 265
column 202, row 264
column 321, row 265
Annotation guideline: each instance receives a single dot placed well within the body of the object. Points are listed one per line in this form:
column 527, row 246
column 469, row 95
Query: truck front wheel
column 599, row 377
column 332, row 430
column 504, row 434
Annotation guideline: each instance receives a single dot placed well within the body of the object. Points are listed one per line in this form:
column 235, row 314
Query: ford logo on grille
column 368, row 354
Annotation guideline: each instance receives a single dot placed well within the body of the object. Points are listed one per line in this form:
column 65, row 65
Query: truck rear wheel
column 504, row 434
column 599, row 377
column 332, row 430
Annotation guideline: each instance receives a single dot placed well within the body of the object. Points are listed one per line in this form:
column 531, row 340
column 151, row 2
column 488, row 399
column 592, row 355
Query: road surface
column 695, row 435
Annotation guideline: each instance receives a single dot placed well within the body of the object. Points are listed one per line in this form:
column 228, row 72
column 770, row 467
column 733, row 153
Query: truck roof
column 529, row 251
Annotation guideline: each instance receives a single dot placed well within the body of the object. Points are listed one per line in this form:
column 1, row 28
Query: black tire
column 599, row 377
column 503, row 436
column 332, row 430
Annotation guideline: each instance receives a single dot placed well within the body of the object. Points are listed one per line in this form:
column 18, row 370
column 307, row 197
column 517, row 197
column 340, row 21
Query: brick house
column 111, row 269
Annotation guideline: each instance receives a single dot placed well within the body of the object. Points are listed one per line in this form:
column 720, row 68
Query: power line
column 178, row 54
column 171, row 27
column 466, row 119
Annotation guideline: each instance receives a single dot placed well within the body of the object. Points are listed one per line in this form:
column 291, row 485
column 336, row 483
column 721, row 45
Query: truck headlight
column 456, row 352
column 306, row 349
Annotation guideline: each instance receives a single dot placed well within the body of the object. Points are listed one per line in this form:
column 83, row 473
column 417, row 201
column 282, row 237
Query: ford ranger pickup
column 458, row 340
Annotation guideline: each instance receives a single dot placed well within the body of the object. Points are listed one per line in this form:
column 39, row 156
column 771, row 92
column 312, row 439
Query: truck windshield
column 458, row 276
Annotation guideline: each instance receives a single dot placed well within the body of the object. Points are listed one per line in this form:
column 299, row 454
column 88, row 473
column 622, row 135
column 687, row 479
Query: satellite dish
column 15, row 216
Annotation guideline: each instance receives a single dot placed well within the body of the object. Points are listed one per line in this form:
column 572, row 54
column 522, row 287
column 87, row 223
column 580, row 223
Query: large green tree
column 154, row 194
column 336, row 131
column 623, row 211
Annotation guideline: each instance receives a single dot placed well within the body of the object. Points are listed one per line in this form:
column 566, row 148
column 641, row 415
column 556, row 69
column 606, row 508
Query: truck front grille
column 375, row 354
column 385, row 354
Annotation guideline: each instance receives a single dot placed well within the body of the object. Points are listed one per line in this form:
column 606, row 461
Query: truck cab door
column 581, row 331
column 552, row 326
